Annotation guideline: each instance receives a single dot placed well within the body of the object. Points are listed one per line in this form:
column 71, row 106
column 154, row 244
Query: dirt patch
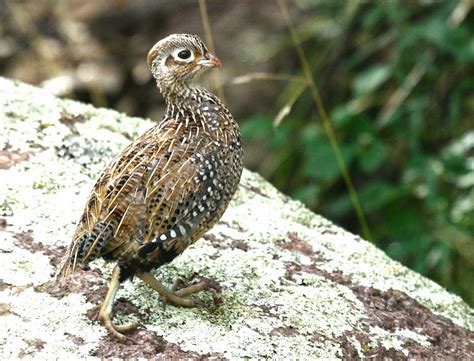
column 121, row 307
column 33, row 346
column 9, row 158
column 224, row 242
column 4, row 285
column 285, row 331
column 79, row 341
column 84, row 280
column 298, row 245
column 146, row 344
column 234, row 226
column 394, row 310
column 4, row 309
column 25, row 240
column 69, row 121
column 216, row 242
column 239, row 244
column 256, row 190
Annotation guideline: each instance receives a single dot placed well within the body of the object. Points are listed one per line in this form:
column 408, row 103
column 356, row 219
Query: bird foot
column 176, row 295
column 106, row 310
column 116, row 331
column 180, row 290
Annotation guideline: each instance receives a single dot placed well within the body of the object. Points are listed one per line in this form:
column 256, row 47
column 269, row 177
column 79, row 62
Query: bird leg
column 176, row 297
column 177, row 284
column 105, row 313
column 204, row 285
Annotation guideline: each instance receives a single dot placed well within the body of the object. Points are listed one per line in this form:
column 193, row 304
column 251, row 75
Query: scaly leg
column 204, row 285
column 176, row 297
column 105, row 312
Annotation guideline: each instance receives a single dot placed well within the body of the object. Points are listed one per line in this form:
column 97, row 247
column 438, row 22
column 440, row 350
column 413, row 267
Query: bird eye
column 184, row 54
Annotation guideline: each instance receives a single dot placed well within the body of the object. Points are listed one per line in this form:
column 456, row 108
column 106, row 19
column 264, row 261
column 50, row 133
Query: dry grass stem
column 250, row 77
column 210, row 43
column 325, row 121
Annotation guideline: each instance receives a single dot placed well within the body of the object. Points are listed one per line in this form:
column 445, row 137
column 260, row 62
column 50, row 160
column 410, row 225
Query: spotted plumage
column 168, row 187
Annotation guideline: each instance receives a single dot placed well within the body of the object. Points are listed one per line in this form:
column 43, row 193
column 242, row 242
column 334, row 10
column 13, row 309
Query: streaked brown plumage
column 168, row 187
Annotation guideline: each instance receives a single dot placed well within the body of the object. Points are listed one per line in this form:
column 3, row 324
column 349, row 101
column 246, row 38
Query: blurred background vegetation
column 396, row 79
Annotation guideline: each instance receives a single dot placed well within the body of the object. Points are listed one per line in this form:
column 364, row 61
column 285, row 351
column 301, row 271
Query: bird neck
column 198, row 107
column 190, row 97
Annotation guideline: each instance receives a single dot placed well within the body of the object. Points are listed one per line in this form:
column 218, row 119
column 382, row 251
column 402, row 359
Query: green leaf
column 340, row 206
column 377, row 194
column 256, row 127
column 374, row 198
column 371, row 79
column 320, row 161
column 372, row 157
column 405, row 222
column 308, row 194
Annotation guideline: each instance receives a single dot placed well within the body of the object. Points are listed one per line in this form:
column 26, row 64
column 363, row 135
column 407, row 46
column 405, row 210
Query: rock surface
column 295, row 286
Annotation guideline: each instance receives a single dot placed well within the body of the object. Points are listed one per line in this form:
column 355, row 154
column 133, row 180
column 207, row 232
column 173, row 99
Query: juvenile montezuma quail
column 168, row 187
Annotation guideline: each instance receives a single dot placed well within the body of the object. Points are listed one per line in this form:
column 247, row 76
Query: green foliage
column 397, row 81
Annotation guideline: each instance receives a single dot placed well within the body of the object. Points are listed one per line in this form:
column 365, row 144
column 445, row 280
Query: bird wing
column 138, row 194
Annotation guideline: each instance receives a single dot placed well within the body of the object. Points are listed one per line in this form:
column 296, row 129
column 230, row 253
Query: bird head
column 176, row 60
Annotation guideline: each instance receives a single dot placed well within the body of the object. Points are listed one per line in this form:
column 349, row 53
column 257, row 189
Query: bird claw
column 126, row 328
column 178, row 284
column 211, row 284
column 179, row 290
column 116, row 331
column 176, row 300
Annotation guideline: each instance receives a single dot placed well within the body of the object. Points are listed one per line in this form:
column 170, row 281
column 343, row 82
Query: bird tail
column 84, row 248
column 68, row 263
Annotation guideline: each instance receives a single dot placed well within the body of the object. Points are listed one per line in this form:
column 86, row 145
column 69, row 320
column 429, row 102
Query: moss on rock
column 294, row 285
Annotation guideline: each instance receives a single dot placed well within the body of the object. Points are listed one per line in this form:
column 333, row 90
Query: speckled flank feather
column 168, row 187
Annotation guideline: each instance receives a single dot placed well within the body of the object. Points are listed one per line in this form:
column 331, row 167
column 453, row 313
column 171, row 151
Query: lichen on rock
column 295, row 286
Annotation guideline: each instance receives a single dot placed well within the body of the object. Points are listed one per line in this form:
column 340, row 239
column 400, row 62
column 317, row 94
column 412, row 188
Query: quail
column 168, row 187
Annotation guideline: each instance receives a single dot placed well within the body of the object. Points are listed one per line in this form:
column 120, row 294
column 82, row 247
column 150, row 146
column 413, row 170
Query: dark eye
column 184, row 54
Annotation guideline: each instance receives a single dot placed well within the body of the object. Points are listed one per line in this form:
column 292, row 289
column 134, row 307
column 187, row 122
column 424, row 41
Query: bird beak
column 210, row 61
